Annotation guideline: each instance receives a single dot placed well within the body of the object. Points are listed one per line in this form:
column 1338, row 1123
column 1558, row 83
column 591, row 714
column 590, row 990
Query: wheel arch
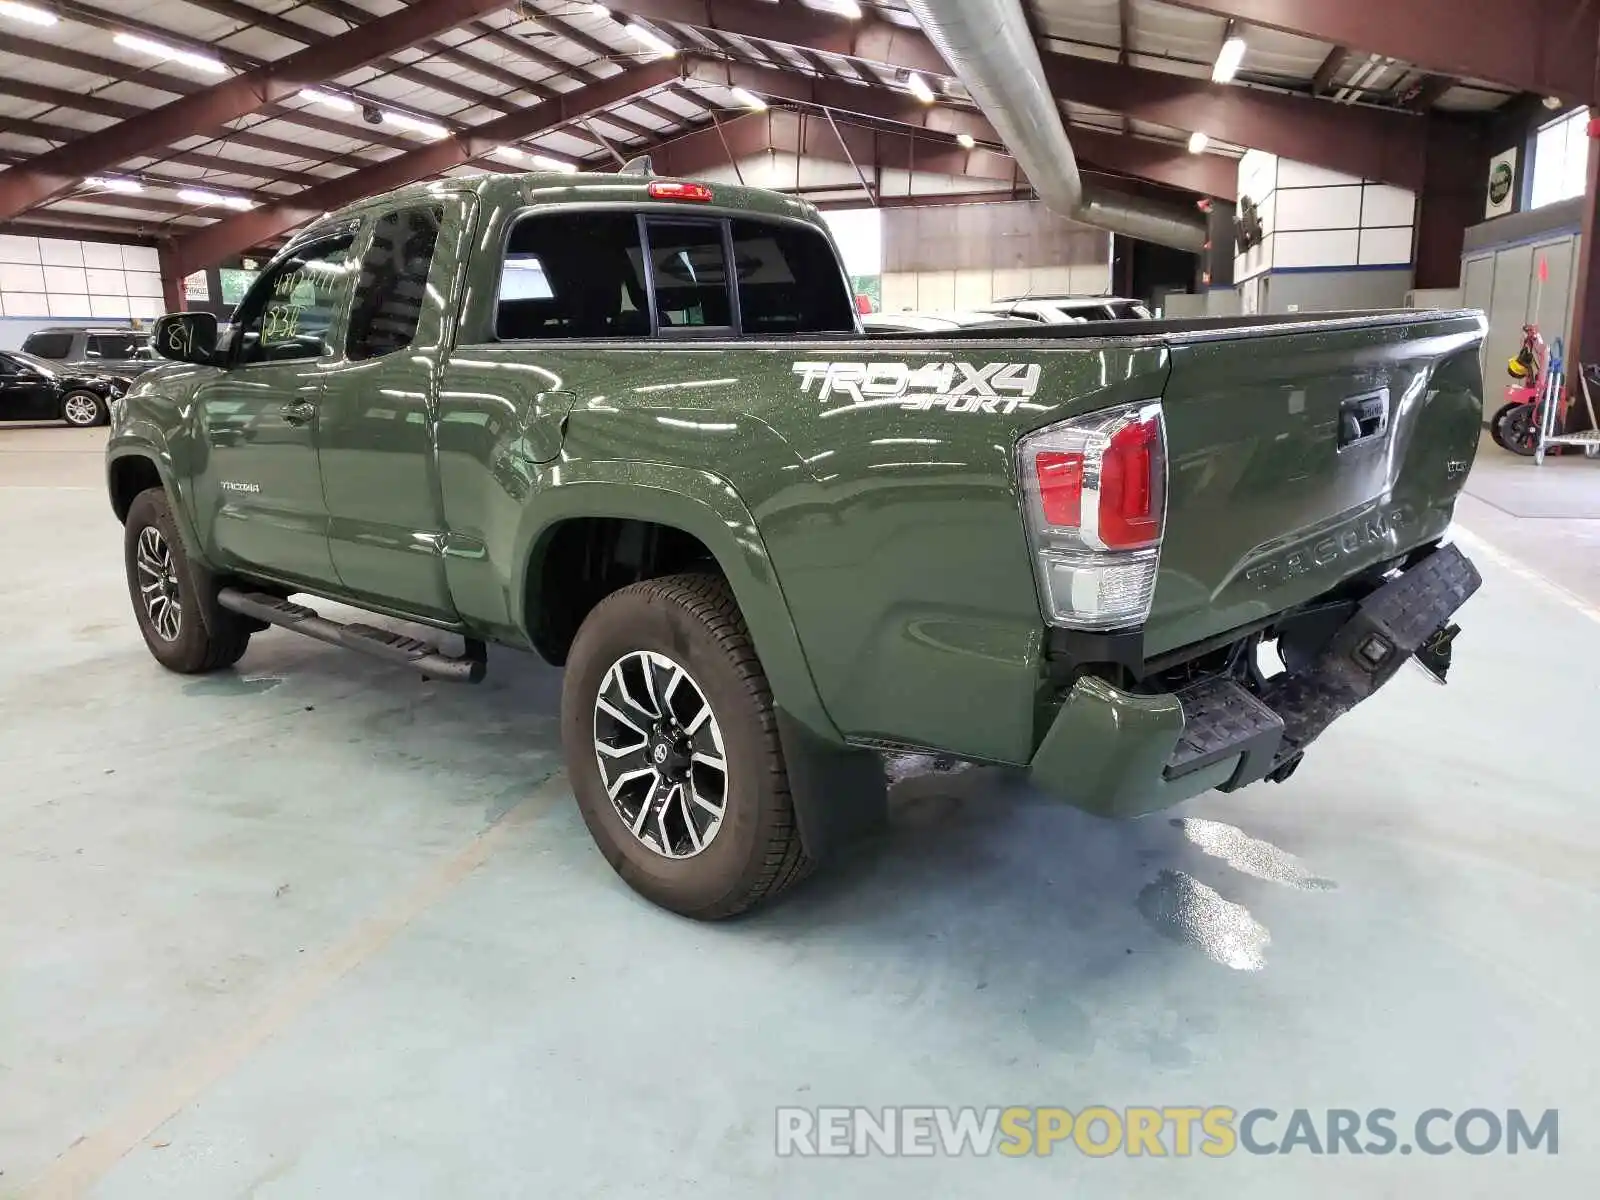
column 696, row 509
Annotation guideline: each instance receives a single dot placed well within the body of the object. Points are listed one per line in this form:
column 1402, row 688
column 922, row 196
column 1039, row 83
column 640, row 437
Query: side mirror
column 189, row 337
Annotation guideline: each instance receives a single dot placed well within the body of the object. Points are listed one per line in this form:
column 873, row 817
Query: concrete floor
column 318, row 928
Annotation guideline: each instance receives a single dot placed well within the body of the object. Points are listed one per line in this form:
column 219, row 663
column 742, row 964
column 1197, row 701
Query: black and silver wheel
column 672, row 748
column 83, row 409
column 167, row 595
column 659, row 750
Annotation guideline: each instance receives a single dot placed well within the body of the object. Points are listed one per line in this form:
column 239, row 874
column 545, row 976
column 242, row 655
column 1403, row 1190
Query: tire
column 1497, row 423
column 178, row 637
column 1516, row 429
column 84, row 410
column 713, row 866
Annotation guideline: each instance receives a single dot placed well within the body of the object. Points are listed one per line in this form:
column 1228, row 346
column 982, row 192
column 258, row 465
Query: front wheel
column 1516, row 428
column 165, row 589
column 672, row 748
column 83, row 410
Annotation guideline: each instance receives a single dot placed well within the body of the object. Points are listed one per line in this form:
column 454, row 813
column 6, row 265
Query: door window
column 789, row 281
column 121, row 346
column 573, row 275
column 49, row 345
column 289, row 312
column 690, row 273
column 393, row 283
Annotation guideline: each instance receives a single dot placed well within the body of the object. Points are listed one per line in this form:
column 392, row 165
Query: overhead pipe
column 992, row 51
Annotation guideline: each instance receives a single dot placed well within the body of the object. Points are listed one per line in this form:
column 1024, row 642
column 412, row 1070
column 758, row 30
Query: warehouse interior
column 315, row 923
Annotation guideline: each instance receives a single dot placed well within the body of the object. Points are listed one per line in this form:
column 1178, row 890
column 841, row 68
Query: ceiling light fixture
column 545, row 163
column 1228, row 60
column 26, row 12
column 748, row 99
column 847, row 9
column 200, row 196
column 108, row 184
column 648, row 37
column 966, row 140
column 200, row 62
column 415, row 124
column 599, row 10
column 919, row 88
column 329, row 100
column 1198, row 142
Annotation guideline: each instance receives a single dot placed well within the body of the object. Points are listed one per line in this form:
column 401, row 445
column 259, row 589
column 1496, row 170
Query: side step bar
column 379, row 643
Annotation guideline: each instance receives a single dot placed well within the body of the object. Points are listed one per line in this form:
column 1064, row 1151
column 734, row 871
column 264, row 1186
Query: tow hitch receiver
column 1434, row 656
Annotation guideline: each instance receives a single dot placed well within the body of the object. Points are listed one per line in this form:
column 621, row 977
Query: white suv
column 1069, row 310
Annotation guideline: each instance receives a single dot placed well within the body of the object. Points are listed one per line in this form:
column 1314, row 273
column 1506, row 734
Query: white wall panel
column 974, row 288
column 141, row 258
column 102, row 254
column 68, row 280
column 1011, row 281
column 1386, row 246
column 899, row 291
column 936, row 290
column 18, row 249
column 1317, row 208
column 59, row 253
column 106, row 283
column 22, row 304
column 1316, row 248
column 1090, row 279
column 142, row 283
column 1385, row 205
column 145, row 309
column 15, row 277
column 1050, row 280
column 69, row 306
column 109, row 307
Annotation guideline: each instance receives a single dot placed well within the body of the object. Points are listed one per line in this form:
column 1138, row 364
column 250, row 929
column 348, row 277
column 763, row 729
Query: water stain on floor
column 231, row 685
column 1251, row 856
column 1184, row 910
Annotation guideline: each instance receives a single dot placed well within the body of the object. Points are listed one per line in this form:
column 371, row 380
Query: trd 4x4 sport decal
column 956, row 387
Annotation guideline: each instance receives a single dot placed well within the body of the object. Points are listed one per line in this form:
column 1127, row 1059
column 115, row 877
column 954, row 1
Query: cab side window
column 393, row 283
column 573, row 275
column 292, row 307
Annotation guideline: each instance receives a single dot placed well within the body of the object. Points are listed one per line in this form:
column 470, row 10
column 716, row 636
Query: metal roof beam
column 23, row 186
column 1550, row 48
column 211, row 245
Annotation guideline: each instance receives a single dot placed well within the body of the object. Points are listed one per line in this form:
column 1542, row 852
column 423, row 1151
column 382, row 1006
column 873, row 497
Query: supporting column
column 172, row 295
column 1451, row 199
column 1586, row 296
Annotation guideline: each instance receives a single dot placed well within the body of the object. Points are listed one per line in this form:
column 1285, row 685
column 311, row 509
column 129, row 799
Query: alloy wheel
column 158, row 584
column 81, row 409
column 660, row 753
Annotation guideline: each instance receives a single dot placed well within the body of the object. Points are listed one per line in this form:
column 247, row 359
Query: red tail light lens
column 1060, row 475
column 1131, row 477
column 663, row 189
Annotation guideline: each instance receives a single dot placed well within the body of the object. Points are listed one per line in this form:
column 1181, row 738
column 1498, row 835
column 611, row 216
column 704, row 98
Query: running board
column 396, row 648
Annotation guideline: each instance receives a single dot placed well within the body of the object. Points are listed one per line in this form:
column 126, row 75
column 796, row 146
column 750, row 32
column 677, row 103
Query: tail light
column 1095, row 491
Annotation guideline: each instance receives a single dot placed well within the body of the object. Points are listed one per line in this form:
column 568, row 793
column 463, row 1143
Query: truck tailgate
column 1303, row 458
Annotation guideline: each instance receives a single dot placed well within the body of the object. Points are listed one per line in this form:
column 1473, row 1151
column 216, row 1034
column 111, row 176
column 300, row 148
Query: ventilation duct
column 990, row 48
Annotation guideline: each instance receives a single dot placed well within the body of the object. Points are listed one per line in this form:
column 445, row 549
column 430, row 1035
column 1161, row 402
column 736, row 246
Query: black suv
column 109, row 350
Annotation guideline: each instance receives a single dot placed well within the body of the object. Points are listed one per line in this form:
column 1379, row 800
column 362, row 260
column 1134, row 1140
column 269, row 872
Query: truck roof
column 555, row 187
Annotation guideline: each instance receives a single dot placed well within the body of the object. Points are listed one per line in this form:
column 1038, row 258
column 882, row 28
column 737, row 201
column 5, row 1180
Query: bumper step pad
column 1270, row 730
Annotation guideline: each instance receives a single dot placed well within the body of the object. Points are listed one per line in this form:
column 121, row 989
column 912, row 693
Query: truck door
column 376, row 426
column 259, row 490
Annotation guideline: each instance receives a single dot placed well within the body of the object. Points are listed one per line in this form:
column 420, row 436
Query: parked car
column 119, row 351
column 32, row 389
column 632, row 424
column 1068, row 310
column 931, row 322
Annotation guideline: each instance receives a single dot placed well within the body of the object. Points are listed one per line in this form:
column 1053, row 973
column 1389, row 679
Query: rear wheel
column 166, row 593
column 672, row 748
column 1518, row 429
column 83, row 409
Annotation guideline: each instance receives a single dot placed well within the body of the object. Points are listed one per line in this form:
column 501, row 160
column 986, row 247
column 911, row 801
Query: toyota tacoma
column 632, row 424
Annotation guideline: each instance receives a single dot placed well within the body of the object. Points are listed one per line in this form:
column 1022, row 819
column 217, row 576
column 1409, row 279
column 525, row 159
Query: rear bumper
column 1120, row 754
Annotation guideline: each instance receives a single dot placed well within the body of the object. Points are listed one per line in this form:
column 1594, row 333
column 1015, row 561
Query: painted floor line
column 82, row 1164
column 1522, row 570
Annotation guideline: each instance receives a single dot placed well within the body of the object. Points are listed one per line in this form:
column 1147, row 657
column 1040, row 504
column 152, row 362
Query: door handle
column 1362, row 418
column 299, row 413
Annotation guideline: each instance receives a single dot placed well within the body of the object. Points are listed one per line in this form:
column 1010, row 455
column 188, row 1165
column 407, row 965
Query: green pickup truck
column 632, row 424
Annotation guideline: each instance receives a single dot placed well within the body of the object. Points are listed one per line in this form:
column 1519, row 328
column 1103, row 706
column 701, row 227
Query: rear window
column 49, row 345
column 690, row 272
column 573, row 275
column 789, row 281
column 112, row 345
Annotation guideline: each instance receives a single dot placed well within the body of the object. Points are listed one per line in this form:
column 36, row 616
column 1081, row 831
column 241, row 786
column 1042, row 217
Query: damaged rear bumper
column 1123, row 754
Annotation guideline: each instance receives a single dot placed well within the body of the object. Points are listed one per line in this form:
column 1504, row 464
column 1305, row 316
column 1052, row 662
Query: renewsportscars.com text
column 1100, row 1131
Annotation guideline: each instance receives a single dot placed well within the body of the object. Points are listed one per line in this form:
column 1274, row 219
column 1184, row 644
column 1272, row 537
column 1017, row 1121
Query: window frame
column 1573, row 119
column 485, row 321
column 363, row 243
column 242, row 315
column 724, row 224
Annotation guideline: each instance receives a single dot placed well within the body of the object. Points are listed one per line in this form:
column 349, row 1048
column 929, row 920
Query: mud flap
column 840, row 793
